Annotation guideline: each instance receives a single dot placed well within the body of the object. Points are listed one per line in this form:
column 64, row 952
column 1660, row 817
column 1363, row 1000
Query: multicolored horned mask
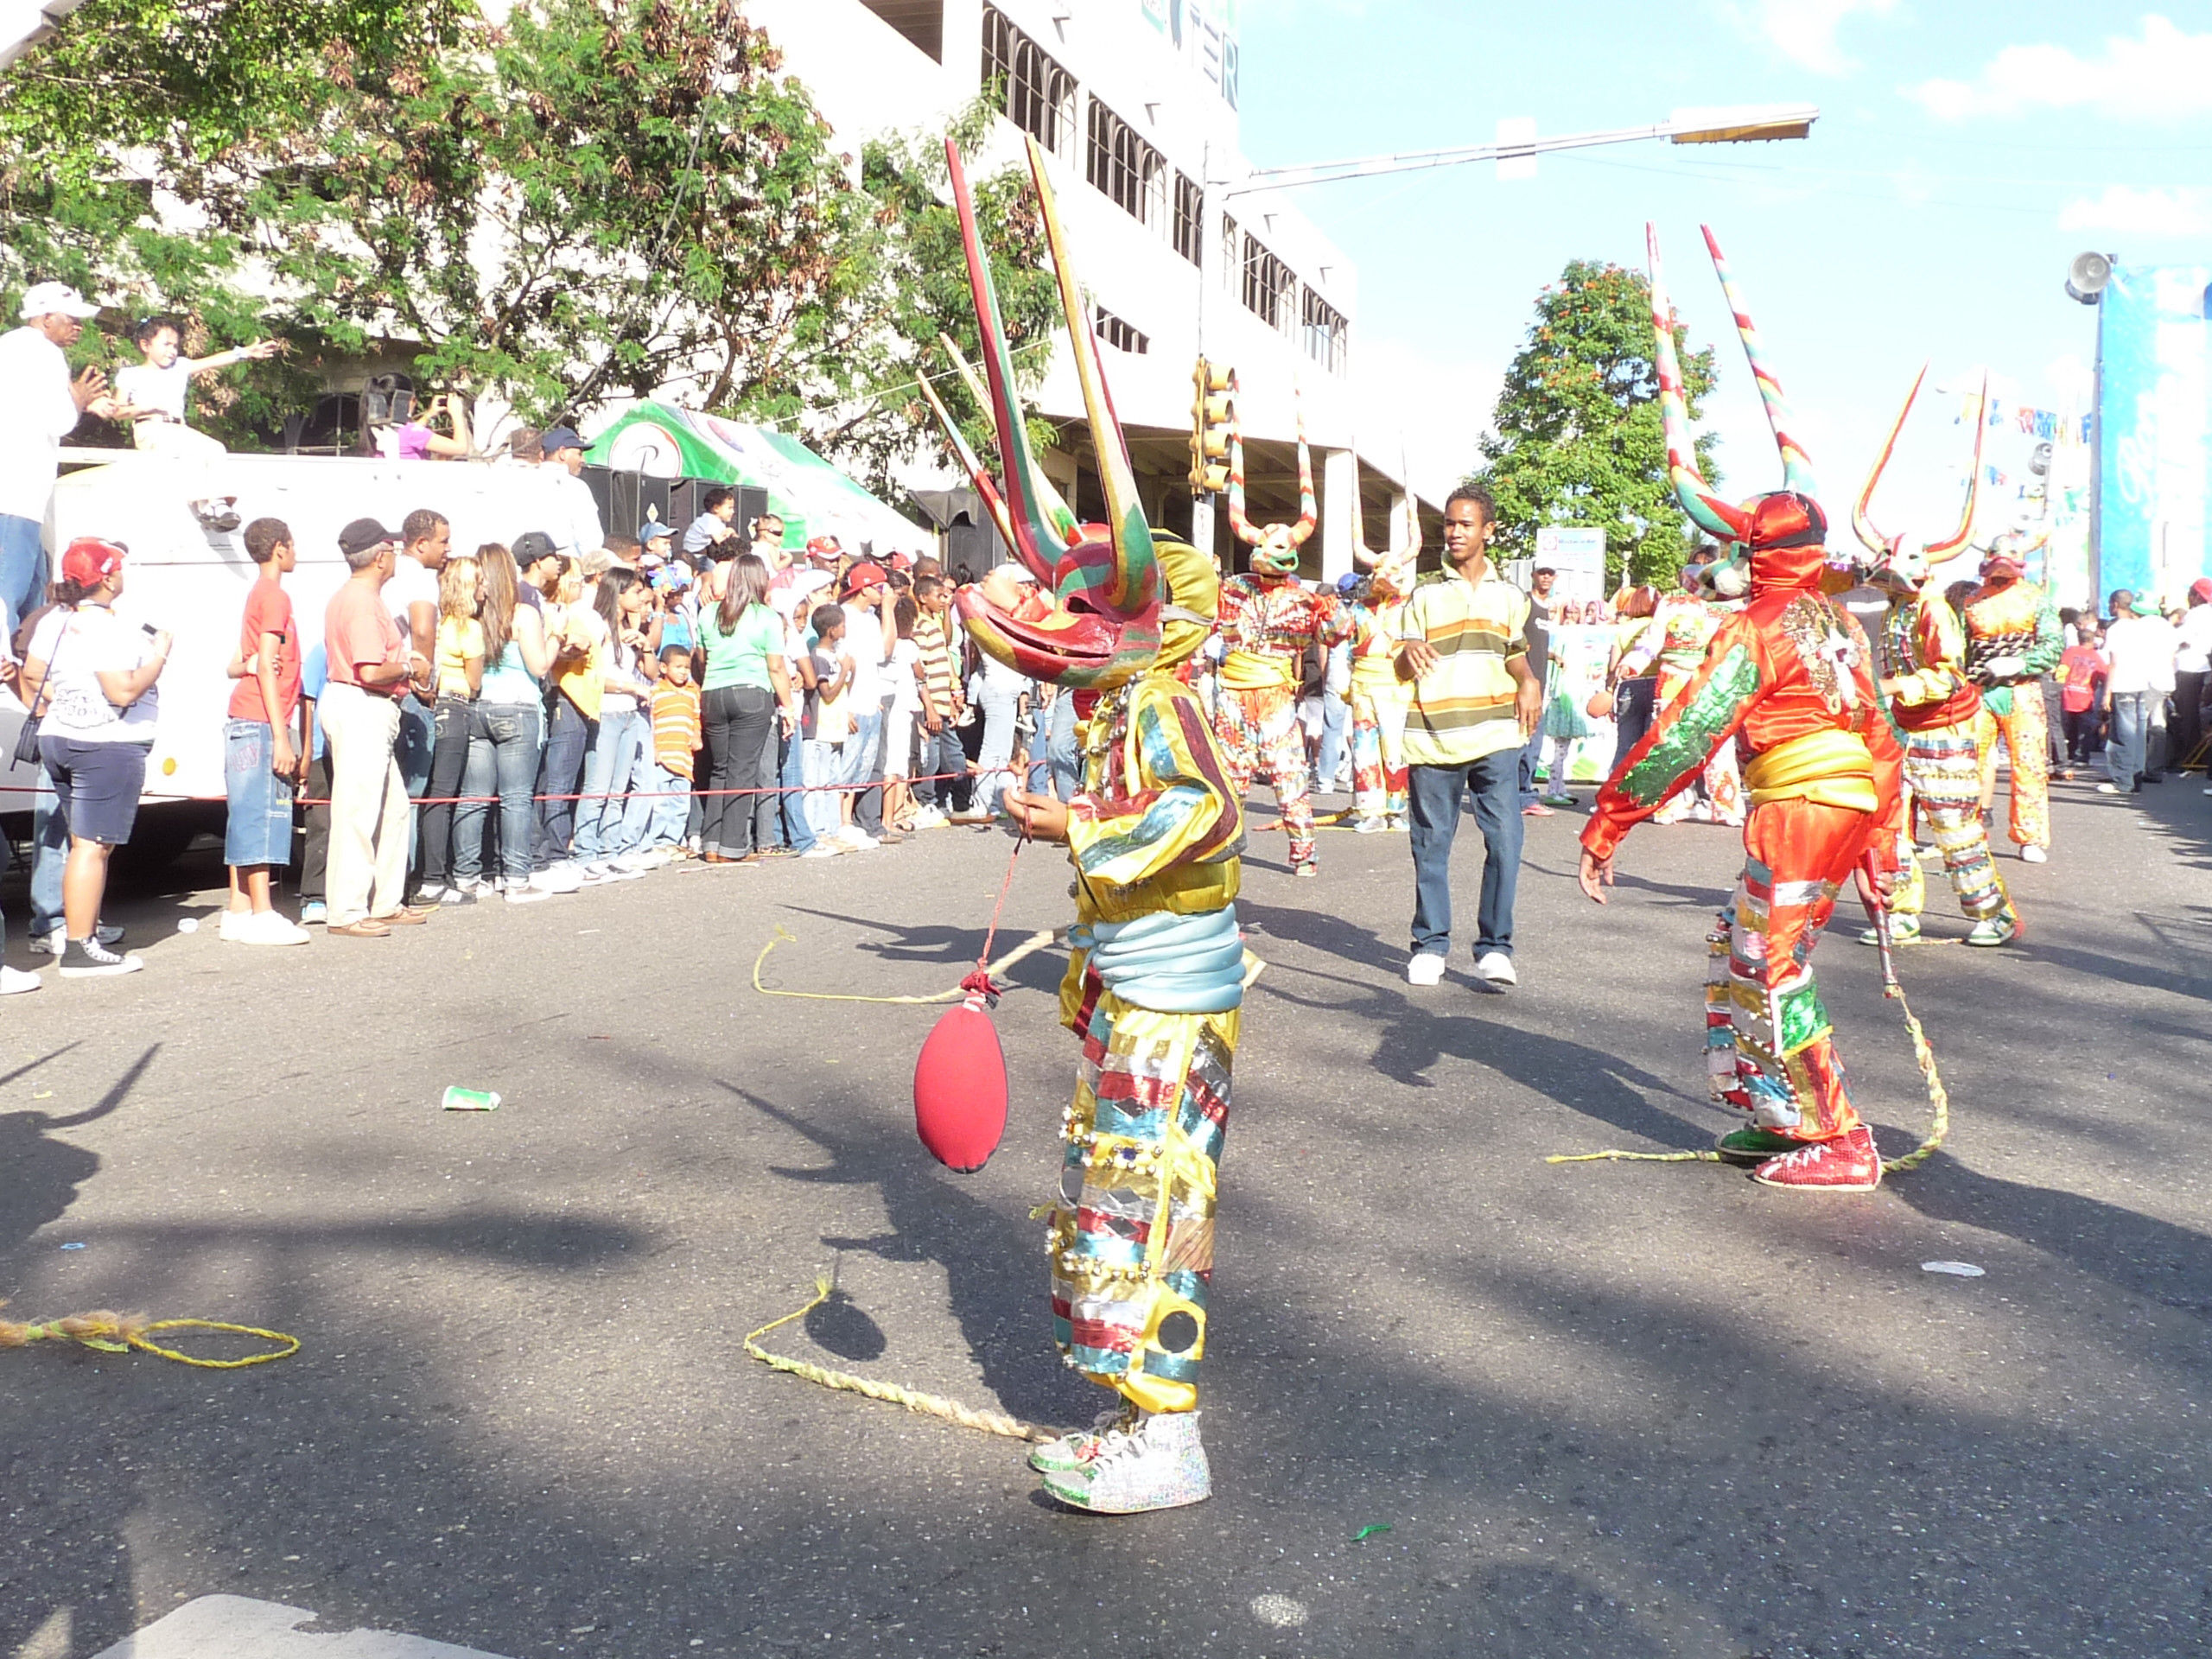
column 1104, row 628
column 1274, row 547
column 1771, row 542
column 1391, row 572
column 1896, row 568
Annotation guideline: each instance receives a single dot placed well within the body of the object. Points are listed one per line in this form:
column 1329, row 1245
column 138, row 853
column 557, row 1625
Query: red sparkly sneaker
column 1850, row 1163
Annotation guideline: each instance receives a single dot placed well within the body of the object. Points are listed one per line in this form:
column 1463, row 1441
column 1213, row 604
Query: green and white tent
column 813, row 498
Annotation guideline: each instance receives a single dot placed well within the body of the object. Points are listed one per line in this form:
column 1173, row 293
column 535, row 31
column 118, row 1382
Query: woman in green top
column 741, row 685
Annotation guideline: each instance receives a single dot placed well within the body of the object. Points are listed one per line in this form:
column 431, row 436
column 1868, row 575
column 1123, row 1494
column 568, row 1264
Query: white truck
column 194, row 583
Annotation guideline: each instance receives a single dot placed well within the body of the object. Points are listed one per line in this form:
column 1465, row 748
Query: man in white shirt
column 40, row 405
column 2141, row 652
column 410, row 595
column 868, row 643
column 581, row 531
column 2192, row 669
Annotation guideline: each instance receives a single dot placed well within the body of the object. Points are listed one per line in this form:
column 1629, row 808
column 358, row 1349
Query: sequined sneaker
column 1903, row 930
column 1990, row 930
column 1158, row 1464
column 1752, row 1146
column 1850, row 1163
column 1058, row 1457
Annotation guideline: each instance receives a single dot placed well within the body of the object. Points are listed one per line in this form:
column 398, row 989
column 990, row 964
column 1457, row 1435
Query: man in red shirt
column 369, row 809
column 262, row 765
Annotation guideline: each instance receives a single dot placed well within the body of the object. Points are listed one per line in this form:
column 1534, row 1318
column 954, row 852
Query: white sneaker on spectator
column 1495, row 968
column 267, row 927
column 1424, row 967
column 640, row 862
column 527, row 894
column 930, row 818
column 237, row 927
column 592, row 874
column 853, row 836
column 557, row 878
column 90, row 959
column 474, row 887
column 615, row 869
column 15, row 980
column 49, row 944
column 432, row 893
column 823, row 849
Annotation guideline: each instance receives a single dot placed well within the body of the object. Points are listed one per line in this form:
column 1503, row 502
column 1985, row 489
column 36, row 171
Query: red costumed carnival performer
column 1268, row 618
column 1791, row 673
column 1155, row 979
column 1380, row 700
column 1935, row 707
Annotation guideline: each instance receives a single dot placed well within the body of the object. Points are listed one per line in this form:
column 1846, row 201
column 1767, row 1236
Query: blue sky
column 1967, row 151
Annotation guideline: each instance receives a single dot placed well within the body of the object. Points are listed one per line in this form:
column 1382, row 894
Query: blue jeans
column 864, row 764
column 601, row 825
column 502, row 761
column 939, row 751
column 568, row 739
column 992, row 777
column 1061, row 756
column 664, row 808
column 1333, row 712
column 1435, row 792
column 23, row 571
column 822, row 763
column 1525, row 778
column 2131, row 729
column 258, row 815
column 790, row 773
column 415, row 749
column 49, row 853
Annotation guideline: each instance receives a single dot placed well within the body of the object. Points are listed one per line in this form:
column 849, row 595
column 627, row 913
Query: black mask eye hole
column 1178, row 1331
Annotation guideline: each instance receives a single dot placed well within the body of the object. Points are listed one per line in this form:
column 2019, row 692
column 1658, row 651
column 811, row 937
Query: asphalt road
column 1604, row 1409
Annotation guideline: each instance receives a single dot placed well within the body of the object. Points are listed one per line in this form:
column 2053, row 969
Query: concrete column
column 1397, row 542
column 1339, row 478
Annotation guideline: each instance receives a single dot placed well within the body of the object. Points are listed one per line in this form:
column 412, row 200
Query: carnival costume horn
column 1896, row 568
column 1274, row 547
column 1390, row 570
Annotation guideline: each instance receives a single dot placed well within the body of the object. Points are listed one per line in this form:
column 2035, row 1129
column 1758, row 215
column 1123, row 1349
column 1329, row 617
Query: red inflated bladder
column 960, row 1089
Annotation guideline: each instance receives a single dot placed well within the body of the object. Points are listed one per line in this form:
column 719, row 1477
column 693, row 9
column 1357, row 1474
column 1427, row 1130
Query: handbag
column 1600, row 706
column 27, row 754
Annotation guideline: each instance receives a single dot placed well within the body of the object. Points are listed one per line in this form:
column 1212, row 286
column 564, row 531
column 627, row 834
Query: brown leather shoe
column 402, row 919
column 710, row 856
column 366, row 928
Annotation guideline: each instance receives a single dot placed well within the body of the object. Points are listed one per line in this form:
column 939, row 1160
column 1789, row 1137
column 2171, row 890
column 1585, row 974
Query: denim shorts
column 259, row 829
column 98, row 784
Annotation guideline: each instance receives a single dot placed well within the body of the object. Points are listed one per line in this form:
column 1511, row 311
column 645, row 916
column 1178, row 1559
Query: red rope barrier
column 600, row 795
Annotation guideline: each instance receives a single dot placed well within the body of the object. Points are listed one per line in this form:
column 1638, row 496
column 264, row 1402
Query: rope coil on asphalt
column 110, row 1333
column 926, row 1405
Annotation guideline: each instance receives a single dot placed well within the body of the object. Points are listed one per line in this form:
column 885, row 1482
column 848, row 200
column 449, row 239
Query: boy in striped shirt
column 1466, row 649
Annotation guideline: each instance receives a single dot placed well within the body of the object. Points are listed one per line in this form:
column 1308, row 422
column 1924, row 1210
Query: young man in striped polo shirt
column 1477, row 699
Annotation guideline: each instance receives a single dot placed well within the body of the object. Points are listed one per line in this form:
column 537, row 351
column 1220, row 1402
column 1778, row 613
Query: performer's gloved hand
column 2005, row 668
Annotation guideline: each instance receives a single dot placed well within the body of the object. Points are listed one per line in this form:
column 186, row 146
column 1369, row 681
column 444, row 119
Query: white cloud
column 2124, row 208
column 2164, row 76
column 1805, row 31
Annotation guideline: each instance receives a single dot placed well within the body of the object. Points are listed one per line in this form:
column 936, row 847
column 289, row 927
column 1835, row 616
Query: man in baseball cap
column 863, row 576
column 88, row 561
column 42, row 406
column 561, row 455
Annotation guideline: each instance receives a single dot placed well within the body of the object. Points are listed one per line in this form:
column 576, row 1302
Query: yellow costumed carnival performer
column 1155, row 980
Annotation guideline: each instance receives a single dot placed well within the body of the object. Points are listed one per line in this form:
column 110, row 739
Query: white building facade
column 1135, row 103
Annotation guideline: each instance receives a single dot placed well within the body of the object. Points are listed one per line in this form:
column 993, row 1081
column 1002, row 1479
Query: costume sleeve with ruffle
column 1940, row 646
column 1685, row 734
column 1173, row 805
column 2050, row 640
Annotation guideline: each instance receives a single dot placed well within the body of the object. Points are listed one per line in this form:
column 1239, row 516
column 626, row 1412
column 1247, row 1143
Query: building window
column 1324, row 333
column 1036, row 94
column 1122, row 336
column 1268, row 286
column 1126, row 169
column 1190, row 224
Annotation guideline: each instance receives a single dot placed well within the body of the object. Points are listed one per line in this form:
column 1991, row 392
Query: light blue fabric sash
column 1169, row 964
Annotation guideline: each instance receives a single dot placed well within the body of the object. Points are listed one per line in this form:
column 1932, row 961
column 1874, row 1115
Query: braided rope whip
column 110, row 1333
column 926, row 1405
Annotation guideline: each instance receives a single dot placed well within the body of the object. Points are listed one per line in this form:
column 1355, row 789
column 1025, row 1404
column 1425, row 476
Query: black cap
column 557, row 439
column 361, row 535
column 532, row 545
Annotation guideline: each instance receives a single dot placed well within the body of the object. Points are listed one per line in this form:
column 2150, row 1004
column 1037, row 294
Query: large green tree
column 1578, row 438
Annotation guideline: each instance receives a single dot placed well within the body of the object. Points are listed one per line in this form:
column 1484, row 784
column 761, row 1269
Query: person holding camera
column 90, row 679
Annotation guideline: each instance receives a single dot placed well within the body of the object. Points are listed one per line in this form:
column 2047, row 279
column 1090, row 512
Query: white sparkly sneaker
column 1495, row 968
column 1424, row 967
column 1158, row 1464
column 1058, row 1457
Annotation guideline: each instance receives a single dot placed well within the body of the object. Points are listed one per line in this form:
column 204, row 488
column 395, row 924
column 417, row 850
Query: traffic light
column 1216, row 389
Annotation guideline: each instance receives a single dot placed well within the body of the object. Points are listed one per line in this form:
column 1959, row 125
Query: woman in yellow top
column 580, row 636
column 459, row 676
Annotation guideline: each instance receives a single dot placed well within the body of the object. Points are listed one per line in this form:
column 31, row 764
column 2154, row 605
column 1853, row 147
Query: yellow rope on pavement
column 928, row 1405
column 119, row 1333
column 1029, row 946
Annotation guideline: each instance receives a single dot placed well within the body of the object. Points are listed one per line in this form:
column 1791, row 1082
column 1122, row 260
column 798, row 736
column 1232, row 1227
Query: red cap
column 863, row 575
column 89, row 560
column 824, row 547
column 902, row 561
column 2202, row 588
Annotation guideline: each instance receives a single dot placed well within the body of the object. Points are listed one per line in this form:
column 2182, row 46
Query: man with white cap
column 40, row 405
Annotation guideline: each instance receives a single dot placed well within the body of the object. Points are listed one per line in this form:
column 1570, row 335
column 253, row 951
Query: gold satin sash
column 1254, row 671
column 1828, row 768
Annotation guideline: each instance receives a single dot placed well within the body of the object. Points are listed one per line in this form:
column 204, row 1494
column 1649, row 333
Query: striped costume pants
column 1378, row 758
column 1943, row 765
column 2024, row 729
column 1132, row 1235
column 1768, row 1038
